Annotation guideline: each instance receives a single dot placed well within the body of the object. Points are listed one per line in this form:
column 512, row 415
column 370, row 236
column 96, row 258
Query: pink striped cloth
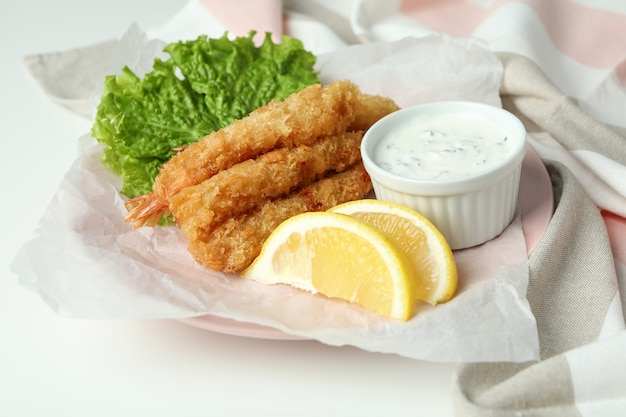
column 565, row 76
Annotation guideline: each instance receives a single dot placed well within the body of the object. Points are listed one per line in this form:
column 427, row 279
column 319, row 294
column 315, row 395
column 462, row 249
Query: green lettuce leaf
column 205, row 85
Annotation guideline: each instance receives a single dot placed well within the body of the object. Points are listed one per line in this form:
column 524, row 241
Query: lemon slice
column 338, row 256
column 427, row 248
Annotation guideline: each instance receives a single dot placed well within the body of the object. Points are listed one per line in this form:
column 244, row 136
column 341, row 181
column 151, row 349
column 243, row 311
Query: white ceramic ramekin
column 467, row 210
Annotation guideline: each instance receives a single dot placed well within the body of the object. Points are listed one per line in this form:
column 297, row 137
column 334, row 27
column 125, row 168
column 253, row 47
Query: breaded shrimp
column 299, row 119
column 244, row 186
column 233, row 245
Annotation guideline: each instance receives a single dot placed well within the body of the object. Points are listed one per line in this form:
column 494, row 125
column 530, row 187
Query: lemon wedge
column 428, row 250
column 338, row 256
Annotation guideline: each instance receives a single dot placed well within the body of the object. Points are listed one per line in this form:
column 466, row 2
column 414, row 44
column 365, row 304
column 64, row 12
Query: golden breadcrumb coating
column 233, row 245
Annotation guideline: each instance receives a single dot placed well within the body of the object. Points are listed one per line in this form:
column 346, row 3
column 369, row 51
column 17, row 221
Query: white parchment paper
column 85, row 261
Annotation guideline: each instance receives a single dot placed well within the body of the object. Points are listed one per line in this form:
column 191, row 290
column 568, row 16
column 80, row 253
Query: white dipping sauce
column 443, row 147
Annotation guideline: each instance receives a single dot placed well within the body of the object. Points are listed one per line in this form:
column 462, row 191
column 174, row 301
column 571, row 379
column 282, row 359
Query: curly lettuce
column 204, row 85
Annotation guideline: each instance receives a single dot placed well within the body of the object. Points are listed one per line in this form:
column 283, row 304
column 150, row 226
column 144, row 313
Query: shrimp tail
column 146, row 210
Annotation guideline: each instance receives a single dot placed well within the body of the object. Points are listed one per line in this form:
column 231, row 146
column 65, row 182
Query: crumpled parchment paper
column 85, row 261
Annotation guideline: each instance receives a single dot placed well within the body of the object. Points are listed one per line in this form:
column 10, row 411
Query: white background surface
column 56, row 366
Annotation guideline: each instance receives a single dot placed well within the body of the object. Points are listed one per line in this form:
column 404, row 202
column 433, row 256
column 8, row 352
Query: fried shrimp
column 299, row 119
column 248, row 184
column 233, row 244
column 230, row 190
